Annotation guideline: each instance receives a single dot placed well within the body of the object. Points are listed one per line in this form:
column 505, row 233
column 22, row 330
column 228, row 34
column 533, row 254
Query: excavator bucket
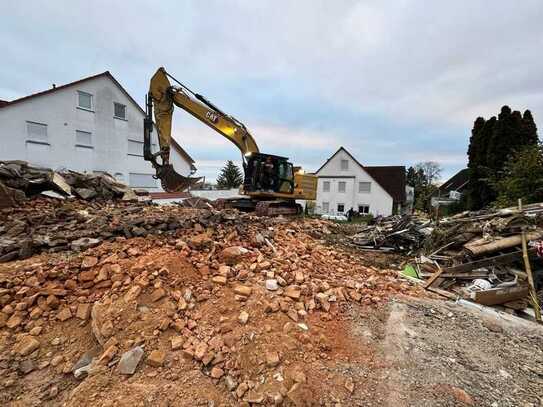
column 172, row 181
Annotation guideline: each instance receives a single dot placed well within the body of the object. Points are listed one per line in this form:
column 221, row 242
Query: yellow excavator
column 271, row 182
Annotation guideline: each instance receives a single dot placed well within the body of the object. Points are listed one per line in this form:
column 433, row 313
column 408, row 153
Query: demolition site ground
column 131, row 304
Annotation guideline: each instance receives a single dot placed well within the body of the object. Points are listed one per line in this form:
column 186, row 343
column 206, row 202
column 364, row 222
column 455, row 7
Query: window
column 36, row 133
column 84, row 100
column 344, row 165
column 83, row 139
column 326, row 186
column 141, row 180
column 363, row 209
column 364, row 187
column 119, row 111
column 135, row 148
column 341, row 186
column 341, row 208
column 326, row 207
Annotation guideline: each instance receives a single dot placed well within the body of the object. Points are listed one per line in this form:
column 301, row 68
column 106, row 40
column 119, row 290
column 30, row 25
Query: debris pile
column 393, row 233
column 478, row 255
column 52, row 225
column 235, row 304
column 18, row 180
column 196, row 202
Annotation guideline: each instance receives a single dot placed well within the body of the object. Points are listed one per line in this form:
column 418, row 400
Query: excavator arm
column 161, row 98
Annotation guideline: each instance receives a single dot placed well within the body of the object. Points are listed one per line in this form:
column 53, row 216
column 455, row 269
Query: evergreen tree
column 501, row 141
column 474, row 149
column 484, row 142
column 476, row 156
column 528, row 129
column 522, row 177
column 479, row 193
column 230, row 176
column 492, row 143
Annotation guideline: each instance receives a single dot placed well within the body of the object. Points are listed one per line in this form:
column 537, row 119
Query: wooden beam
column 489, row 261
column 528, row 267
column 444, row 293
column 434, row 277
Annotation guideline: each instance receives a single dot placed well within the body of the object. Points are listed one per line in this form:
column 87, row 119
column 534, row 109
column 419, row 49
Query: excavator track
column 274, row 208
column 260, row 208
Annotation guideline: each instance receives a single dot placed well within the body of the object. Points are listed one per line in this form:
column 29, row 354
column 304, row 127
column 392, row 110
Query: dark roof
column 391, row 178
column 457, row 182
column 55, row 88
column 107, row 74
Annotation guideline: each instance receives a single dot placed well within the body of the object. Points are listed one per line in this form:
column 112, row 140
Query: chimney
column 54, row 86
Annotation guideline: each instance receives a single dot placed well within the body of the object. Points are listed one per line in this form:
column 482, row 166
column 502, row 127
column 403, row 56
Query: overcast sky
column 395, row 82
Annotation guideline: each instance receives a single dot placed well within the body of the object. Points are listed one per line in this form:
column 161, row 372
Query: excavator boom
column 161, row 99
column 271, row 181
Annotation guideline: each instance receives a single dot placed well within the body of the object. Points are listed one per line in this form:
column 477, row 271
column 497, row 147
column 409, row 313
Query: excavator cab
column 267, row 173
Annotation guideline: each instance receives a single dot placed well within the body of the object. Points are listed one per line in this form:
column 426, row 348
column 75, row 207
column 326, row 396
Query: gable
column 82, row 84
column 341, row 153
column 106, row 74
column 390, row 178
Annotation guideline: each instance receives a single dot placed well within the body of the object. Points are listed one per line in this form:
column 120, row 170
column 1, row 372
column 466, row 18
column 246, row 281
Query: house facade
column 451, row 191
column 90, row 125
column 344, row 183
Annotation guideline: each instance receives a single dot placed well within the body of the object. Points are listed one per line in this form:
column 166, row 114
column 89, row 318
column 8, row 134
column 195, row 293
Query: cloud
column 204, row 143
column 393, row 80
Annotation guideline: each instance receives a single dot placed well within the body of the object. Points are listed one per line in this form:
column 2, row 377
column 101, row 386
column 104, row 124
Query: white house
column 344, row 183
column 90, row 125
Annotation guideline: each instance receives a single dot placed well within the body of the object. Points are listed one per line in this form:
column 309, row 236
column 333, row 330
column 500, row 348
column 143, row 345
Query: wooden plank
column 489, row 261
column 434, row 277
column 470, row 275
column 444, row 293
column 495, row 296
column 528, row 267
column 501, row 244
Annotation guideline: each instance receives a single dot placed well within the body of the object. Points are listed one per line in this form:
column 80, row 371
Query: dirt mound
column 229, row 308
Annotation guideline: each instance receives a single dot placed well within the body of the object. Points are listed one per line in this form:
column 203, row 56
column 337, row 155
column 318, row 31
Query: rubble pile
column 18, row 180
column 52, row 225
column 196, row 202
column 243, row 308
column 393, row 233
column 478, row 255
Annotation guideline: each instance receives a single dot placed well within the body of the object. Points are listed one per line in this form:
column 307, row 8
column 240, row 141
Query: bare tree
column 431, row 171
